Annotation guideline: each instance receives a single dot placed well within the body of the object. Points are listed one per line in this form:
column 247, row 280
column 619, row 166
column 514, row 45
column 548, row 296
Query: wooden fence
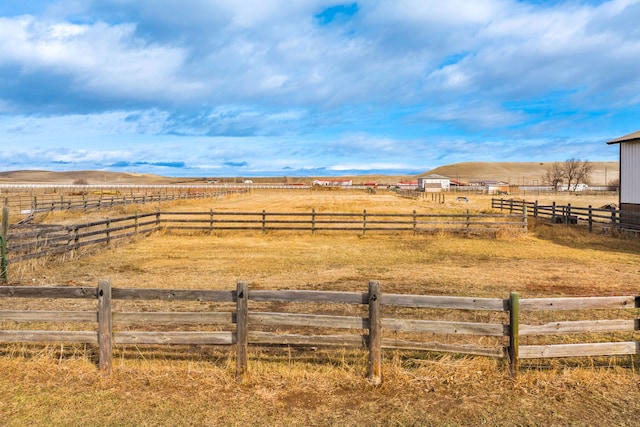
column 83, row 200
column 371, row 320
column 29, row 242
column 594, row 218
column 22, row 242
column 362, row 222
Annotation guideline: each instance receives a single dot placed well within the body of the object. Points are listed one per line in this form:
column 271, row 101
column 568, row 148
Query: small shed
column 434, row 183
column 496, row 187
column 629, row 146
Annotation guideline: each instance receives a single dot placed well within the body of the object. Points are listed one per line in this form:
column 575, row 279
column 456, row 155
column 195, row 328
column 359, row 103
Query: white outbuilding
column 434, row 183
column 629, row 171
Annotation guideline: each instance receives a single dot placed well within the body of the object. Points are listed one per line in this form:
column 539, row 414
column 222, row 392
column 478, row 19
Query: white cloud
column 292, row 90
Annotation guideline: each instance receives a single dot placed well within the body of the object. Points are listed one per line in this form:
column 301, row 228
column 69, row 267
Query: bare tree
column 577, row 171
column 586, row 168
column 554, row 175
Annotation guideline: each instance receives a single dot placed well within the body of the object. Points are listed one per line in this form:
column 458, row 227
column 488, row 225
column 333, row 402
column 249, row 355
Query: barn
column 434, row 183
column 629, row 146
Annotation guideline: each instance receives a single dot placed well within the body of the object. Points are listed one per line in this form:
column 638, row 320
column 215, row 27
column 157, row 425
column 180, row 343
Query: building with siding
column 434, row 182
column 629, row 171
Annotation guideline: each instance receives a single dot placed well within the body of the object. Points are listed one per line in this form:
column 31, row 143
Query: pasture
column 195, row 385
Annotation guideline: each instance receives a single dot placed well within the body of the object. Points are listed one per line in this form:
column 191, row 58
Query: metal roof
column 434, row 176
column 627, row 138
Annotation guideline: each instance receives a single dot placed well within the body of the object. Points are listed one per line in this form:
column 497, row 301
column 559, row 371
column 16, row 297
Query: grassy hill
column 517, row 173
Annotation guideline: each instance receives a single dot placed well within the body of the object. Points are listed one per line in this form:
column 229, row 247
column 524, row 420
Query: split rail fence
column 27, row 241
column 371, row 320
column 602, row 219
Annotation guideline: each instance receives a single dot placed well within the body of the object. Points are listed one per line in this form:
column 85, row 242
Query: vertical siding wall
column 630, row 173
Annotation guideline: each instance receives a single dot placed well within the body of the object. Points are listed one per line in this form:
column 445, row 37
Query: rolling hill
column 519, row 173
column 516, row 173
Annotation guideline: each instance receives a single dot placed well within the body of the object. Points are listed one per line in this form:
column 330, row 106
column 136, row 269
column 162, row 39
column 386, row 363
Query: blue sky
column 313, row 87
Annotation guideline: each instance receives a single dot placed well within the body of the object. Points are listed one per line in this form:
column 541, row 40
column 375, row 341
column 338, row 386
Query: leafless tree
column 554, row 175
column 576, row 171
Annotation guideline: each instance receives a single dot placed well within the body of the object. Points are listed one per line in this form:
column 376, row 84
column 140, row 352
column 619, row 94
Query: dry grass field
column 195, row 385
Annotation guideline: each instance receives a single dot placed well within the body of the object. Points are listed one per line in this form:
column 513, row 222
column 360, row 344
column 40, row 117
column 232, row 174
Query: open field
column 60, row 385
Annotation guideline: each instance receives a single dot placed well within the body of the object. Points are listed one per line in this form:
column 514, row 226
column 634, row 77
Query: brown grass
column 193, row 385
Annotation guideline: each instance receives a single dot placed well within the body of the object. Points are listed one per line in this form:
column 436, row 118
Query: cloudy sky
column 313, row 87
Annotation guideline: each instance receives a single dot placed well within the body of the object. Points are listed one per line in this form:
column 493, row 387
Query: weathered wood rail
column 25, row 241
column 368, row 320
column 363, row 222
column 91, row 200
column 594, row 218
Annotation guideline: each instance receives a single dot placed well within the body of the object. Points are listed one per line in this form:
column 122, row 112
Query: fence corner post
column 375, row 334
column 105, row 325
column 242, row 316
column 514, row 332
column 4, row 233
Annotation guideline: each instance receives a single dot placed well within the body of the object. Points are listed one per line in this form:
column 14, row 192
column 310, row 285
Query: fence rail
column 367, row 320
column 595, row 218
column 331, row 221
column 21, row 242
column 106, row 198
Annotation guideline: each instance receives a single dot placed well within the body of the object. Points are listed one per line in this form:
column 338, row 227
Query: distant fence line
column 595, row 218
column 85, row 199
column 425, row 323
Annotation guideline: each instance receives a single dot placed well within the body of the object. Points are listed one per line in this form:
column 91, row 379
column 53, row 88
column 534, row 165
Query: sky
column 313, row 87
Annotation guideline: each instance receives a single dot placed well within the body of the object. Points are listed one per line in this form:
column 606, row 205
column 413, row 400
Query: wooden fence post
column 76, row 239
column 210, row 221
column 105, row 325
column 108, row 223
column 364, row 222
column 514, row 331
column 415, row 223
column 264, row 222
column 4, row 234
column 313, row 221
column 375, row 334
column 590, row 219
column 468, row 222
column 524, row 217
column 242, row 320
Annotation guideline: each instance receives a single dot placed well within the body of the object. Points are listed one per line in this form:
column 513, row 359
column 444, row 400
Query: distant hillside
column 90, row 176
column 518, row 173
